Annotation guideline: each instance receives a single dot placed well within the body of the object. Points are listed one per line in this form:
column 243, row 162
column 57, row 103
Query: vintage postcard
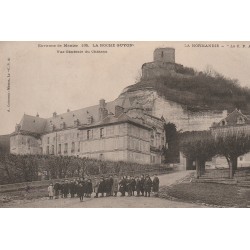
column 125, row 124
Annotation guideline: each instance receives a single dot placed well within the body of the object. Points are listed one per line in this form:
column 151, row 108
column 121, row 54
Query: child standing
column 81, row 191
column 51, row 191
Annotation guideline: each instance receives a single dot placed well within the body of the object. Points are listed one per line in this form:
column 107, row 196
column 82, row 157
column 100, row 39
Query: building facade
column 235, row 122
column 107, row 131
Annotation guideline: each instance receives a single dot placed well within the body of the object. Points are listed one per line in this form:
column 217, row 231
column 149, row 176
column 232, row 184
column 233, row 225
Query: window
column 152, row 159
column 240, row 120
column 47, row 150
column 59, row 149
column 63, row 125
column 101, row 157
column 78, row 146
column 52, row 150
column 223, row 123
column 77, row 122
column 48, row 140
column 241, row 158
column 101, row 132
column 89, row 134
column 73, row 147
column 28, row 142
column 77, row 135
column 65, row 148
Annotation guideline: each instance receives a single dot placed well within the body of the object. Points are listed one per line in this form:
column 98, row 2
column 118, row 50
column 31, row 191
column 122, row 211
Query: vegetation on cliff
column 203, row 91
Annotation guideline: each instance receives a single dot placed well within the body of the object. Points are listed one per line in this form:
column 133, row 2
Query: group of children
column 109, row 186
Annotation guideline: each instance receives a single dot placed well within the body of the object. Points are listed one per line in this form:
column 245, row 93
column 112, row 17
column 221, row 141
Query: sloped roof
column 232, row 119
column 80, row 114
column 112, row 119
column 32, row 124
column 37, row 125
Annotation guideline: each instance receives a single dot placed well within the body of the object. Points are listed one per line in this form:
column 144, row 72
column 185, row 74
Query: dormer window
column 63, row 125
column 52, row 127
column 223, row 123
column 240, row 120
column 90, row 119
column 76, row 122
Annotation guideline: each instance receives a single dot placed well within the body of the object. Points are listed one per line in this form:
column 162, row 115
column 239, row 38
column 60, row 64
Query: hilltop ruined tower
column 164, row 55
column 163, row 64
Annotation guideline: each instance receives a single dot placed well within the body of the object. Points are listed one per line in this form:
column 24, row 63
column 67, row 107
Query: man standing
column 122, row 187
column 72, row 189
column 80, row 192
column 66, row 189
column 95, row 186
column 56, row 189
column 138, row 186
column 142, row 184
column 133, row 183
column 101, row 187
column 111, row 183
column 147, row 186
column 62, row 188
column 89, row 188
column 129, row 186
column 156, row 183
column 115, row 185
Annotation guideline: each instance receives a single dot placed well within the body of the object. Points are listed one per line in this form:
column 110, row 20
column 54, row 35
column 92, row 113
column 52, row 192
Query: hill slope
column 200, row 91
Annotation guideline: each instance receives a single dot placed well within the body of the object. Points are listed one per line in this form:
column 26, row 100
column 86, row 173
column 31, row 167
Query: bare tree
column 232, row 145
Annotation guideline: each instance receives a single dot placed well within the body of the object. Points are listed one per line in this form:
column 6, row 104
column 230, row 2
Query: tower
column 164, row 55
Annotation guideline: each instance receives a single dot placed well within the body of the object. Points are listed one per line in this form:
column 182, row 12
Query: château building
column 117, row 131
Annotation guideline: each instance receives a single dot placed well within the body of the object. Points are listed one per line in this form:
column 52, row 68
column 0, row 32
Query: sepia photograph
column 125, row 124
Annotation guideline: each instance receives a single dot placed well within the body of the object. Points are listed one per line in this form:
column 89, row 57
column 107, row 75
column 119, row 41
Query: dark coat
column 65, row 188
column 156, row 184
column 115, row 185
column 129, row 185
column 133, row 184
column 122, row 185
column 57, row 187
column 80, row 189
column 108, row 185
column 101, row 187
column 148, row 185
column 142, row 184
column 138, row 185
column 89, row 188
column 84, row 183
column 72, row 187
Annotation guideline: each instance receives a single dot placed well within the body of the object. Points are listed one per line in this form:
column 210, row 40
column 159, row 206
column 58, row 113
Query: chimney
column 102, row 103
column 103, row 112
column 118, row 110
column 17, row 128
column 37, row 115
column 68, row 110
column 54, row 114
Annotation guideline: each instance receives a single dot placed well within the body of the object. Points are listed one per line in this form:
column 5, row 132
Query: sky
column 44, row 81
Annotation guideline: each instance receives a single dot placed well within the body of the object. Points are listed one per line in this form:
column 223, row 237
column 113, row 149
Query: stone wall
column 25, row 144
